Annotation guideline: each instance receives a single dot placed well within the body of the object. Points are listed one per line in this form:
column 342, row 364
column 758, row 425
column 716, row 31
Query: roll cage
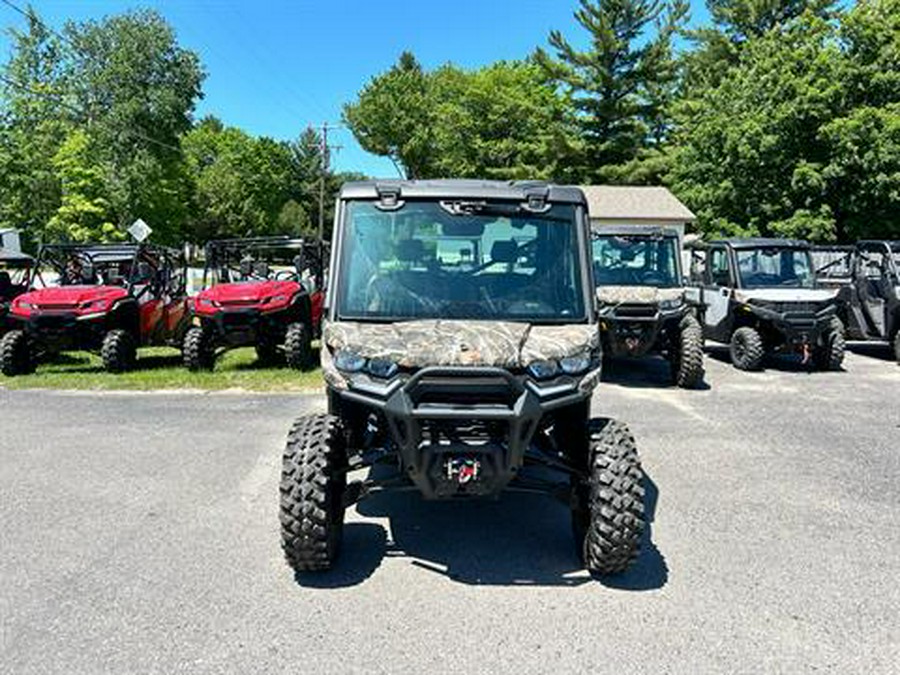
column 251, row 259
column 156, row 269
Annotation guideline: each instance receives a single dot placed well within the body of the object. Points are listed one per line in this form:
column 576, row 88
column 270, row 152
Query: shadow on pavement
column 362, row 551
column 875, row 350
column 650, row 372
column 517, row 540
column 785, row 363
column 650, row 571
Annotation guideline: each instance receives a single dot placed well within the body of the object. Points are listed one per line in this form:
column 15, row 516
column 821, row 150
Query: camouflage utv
column 461, row 349
column 641, row 296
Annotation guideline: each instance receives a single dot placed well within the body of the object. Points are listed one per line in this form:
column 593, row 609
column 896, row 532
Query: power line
column 31, row 15
column 78, row 111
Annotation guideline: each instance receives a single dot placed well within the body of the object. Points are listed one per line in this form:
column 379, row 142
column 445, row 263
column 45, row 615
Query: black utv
column 868, row 284
column 641, row 297
column 461, row 350
column 761, row 296
column 16, row 270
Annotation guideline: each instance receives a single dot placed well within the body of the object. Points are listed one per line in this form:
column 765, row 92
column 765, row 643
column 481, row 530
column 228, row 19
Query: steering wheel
column 530, row 307
column 653, row 278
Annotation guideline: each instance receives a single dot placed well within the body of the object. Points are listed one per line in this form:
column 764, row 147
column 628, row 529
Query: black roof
column 761, row 242
column 462, row 189
column 871, row 244
column 635, row 231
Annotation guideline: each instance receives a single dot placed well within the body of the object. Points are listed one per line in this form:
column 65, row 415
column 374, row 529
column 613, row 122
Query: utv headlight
column 574, row 365
column 349, row 362
column 381, row 368
column 543, row 370
column 673, row 303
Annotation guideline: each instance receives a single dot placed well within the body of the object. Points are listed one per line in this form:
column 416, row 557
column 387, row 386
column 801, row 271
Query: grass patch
column 161, row 368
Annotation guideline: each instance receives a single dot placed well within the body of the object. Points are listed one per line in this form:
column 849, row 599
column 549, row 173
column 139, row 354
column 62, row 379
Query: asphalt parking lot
column 138, row 533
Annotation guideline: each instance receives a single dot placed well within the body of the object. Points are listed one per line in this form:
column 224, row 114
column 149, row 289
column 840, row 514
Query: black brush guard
column 447, row 415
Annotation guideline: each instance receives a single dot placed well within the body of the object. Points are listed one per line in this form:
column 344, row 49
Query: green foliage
column 622, row 84
column 502, row 121
column 251, row 186
column 83, row 213
column 91, row 129
column 801, row 135
column 393, row 117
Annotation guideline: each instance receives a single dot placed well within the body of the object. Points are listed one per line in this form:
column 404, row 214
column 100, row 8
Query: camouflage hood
column 413, row 344
column 613, row 295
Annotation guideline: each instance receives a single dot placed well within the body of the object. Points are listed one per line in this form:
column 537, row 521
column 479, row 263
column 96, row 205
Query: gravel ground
column 138, row 533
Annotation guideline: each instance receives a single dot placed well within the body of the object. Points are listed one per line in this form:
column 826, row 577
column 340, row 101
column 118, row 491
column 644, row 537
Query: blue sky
column 274, row 67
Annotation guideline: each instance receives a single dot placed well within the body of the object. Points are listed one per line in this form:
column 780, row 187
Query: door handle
column 724, row 291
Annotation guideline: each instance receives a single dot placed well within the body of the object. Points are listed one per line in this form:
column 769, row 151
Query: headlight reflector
column 573, row 365
column 672, row 303
column 382, row 368
column 349, row 362
column 543, row 370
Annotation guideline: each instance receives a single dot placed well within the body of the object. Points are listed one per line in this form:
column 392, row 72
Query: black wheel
column 830, row 354
column 198, row 350
column 15, row 354
column 747, row 349
column 298, row 346
column 687, row 355
column 897, row 346
column 266, row 352
column 312, row 490
column 118, row 351
column 608, row 512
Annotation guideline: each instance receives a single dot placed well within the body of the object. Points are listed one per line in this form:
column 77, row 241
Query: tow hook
column 462, row 470
column 807, row 354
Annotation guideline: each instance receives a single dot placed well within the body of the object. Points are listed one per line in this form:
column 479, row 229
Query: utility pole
column 325, row 159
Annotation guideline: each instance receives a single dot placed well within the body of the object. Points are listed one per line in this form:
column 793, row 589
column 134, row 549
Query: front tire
column 312, row 490
column 897, row 346
column 747, row 349
column 198, row 351
column 608, row 516
column 687, row 362
column 298, row 346
column 830, row 355
column 118, row 351
column 15, row 354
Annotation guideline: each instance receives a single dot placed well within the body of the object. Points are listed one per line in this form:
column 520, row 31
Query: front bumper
column 59, row 331
column 636, row 329
column 799, row 326
column 239, row 327
column 441, row 418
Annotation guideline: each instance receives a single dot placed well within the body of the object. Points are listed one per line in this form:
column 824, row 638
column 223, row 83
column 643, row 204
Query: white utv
column 761, row 296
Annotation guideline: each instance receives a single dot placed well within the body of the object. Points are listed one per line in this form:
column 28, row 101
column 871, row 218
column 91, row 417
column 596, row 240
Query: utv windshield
column 768, row 267
column 635, row 261
column 428, row 260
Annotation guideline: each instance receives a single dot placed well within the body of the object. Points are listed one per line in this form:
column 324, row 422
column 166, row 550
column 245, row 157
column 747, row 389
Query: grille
column 798, row 308
column 636, row 311
column 468, row 391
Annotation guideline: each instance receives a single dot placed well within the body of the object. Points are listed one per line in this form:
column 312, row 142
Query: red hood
column 248, row 292
column 71, row 296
